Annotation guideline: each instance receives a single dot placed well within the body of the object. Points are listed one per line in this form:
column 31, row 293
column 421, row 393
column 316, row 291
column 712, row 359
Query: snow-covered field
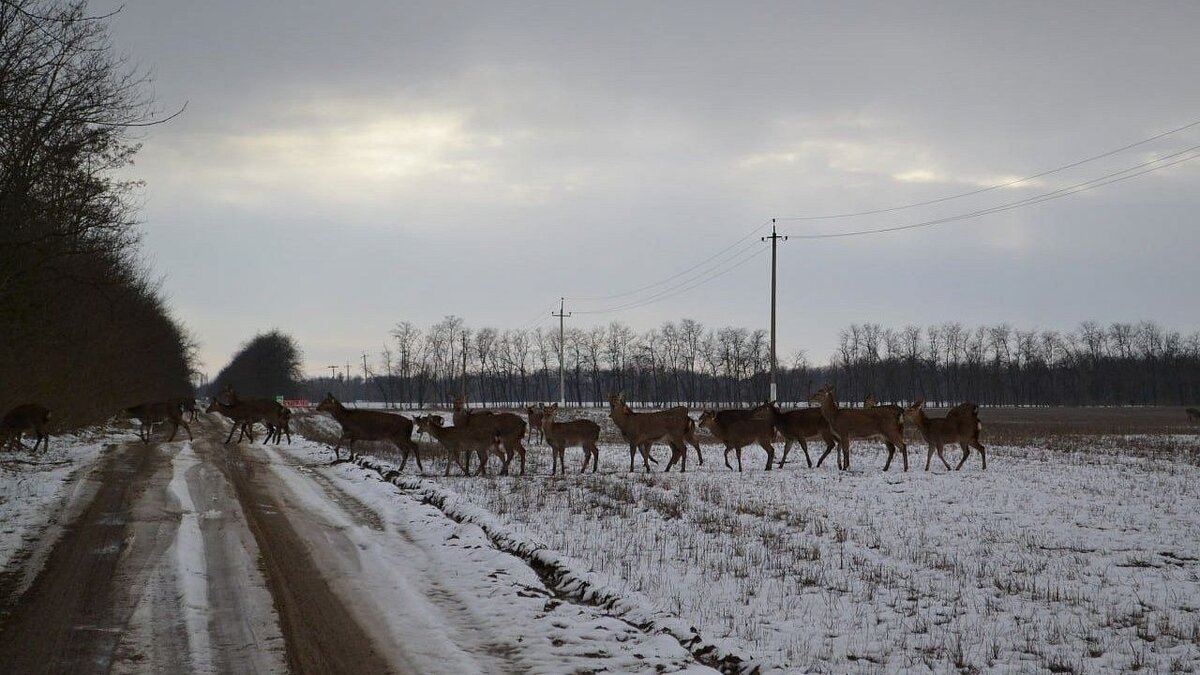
column 1083, row 558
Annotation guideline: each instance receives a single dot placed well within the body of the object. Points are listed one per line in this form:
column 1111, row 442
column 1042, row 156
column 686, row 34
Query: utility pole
column 463, row 387
column 774, row 242
column 562, row 353
column 332, row 372
column 364, row 358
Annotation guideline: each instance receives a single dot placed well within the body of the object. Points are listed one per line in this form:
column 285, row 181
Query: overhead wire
column 744, row 237
column 998, row 186
column 693, row 282
column 1108, row 179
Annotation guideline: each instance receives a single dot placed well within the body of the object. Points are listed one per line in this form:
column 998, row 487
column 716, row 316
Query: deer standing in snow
column 960, row 425
column 28, row 417
column 562, row 435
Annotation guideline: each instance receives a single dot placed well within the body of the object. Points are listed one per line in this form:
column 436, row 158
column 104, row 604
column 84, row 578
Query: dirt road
column 196, row 557
column 182, row 562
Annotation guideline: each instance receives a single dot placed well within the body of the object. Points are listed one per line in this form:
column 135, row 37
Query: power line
column 676, row 275
column 678, row 289
column 1115, row 177
column 999, row 186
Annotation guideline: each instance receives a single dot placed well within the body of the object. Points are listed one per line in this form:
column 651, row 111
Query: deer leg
column 904, row 454
column 727, row 464
column 770, row 448
column 928, row 455
column 174, row 430
column 699, row 455
column 891, row 453
column 787, row 446
column 416, row 450
column 231, row 430
column 828, row 449
column 631, row 452
column 845, row 465
column 982, row 452
column 521, row 452
column 188, row 429
column 943, row 457
column 646, row 456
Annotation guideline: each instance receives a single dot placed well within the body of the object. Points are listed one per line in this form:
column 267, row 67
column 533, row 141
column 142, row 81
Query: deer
column 187, row 404
column 1193, row 415
column 737, row 428
column 798, row 426
column 641, row 430
column 150, row 414
column 371, row 425
column 28, row 417
column 960, row 425
column 848, row 424
column 535, row 415
column 510, row 428
column 240, row 417
column 461, row 440
column 562, row 435
column 246, row 412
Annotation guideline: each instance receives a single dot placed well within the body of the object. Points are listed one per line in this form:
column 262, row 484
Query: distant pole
column 562, row 353
column 774, row 242
column 364, row 358
column 332, row 372
column 463, row 386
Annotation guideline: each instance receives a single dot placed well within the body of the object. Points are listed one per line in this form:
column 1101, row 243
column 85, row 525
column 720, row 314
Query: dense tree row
column 84, row 328
column 267, row 366
column 689, row 363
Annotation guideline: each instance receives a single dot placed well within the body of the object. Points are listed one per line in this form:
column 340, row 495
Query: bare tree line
column 689, row 363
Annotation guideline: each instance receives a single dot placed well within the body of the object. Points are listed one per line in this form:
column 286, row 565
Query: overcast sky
column 342, row 167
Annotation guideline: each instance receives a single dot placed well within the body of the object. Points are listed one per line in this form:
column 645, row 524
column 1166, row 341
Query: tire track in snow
column 321, row 634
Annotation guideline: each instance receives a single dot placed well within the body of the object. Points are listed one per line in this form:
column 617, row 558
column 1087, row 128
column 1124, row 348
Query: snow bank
column 568, row 577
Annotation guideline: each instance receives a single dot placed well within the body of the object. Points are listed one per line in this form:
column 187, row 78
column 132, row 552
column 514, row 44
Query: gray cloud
column 341, row 169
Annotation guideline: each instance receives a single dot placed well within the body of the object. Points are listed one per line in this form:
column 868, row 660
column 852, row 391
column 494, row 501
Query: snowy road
column 194, row 557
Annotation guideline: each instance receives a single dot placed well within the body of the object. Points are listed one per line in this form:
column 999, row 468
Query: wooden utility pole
column 562, row 353
column 774, row 242
column 463, row 387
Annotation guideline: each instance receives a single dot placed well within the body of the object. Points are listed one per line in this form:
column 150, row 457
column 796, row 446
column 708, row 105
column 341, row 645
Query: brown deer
column 187, row 405
column 797, row 426
column 879, row 422
column 246, row 412
column 535, row 415
column 150, row 414
column 460, row 441
column 737, row 428
column 371, row 425
column 1193, row 415
column 960, row 425
column 27, row 417
column 642, row 430
column 508, row 426
column 241, row 419
column 562, row 435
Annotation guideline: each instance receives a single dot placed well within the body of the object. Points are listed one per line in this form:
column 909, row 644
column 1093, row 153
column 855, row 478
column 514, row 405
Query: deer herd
column 481, row 434
column 484, row 433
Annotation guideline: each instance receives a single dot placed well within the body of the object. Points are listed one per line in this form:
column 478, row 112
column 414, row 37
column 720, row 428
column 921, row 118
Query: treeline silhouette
column 85, row 330
column 686, row 362
column 267, row 366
